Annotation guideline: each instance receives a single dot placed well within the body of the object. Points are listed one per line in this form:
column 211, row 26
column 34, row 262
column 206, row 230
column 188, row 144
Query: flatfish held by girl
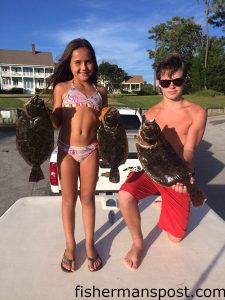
column 161, row 162
column 113, row 143
column 34, row 136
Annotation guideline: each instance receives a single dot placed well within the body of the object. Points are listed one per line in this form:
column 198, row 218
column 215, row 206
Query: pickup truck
column 131, row 119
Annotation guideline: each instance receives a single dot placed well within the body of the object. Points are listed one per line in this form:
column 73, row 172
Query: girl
column 77, row 102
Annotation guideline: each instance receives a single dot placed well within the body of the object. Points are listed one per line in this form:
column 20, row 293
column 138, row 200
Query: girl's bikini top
column 75, row 98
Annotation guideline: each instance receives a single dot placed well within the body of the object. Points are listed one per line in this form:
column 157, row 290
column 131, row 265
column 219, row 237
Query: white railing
column 6, row 73
column 18, row 74
column 39, row 75
column 25, row 74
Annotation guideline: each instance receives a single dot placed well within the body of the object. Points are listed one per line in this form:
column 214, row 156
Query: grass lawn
column 144, row 102
column 148, row 101
column 16, row 101
column 6, row 103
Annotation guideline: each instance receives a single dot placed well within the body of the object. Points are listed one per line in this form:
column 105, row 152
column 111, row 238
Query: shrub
column 15, row 91
column 3, row 91
column 208, row 93
column 147, row 92
column 43, row 91
column 125, row 92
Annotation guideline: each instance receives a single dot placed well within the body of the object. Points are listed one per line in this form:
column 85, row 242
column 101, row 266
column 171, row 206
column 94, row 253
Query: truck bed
column 32, row 246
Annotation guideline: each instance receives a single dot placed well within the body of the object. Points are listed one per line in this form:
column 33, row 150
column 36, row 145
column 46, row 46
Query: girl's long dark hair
column 62, row 70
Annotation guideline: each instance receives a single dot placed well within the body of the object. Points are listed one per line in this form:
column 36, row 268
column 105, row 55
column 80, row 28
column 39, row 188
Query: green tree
column 215, row 72
column 156, row 34
column 197, row 71
column 217, row 17
column 208, row 9
column 147, row 89
column 179, row 35
column 216, row 65
column 111, row 75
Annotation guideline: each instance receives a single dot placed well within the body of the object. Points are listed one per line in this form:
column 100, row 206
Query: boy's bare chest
column 174, row 124
column 175, row 130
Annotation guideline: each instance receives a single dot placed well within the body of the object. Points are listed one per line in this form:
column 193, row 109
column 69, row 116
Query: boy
column 183, row 124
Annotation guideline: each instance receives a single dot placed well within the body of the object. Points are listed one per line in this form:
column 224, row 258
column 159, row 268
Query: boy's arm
column 194, row 136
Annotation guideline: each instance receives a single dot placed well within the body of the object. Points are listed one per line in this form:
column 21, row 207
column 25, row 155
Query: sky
column 118, row 30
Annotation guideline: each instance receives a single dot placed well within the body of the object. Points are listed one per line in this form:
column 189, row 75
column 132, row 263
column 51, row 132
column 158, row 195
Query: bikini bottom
column 78, row 153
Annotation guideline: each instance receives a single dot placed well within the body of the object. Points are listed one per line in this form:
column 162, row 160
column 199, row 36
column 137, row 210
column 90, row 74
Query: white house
column 25, row 69
column 133, row 83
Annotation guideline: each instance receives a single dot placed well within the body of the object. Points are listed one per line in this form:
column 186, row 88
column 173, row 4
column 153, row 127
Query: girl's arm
column 102, row 90
column 56, row 115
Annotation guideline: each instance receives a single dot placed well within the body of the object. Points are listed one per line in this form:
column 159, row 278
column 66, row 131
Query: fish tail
column 36, row 174
column 197, row 196
column 114, row 175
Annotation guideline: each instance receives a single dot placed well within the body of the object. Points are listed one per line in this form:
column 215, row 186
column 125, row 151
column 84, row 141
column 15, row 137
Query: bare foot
column 173, row 238
column 132, row 259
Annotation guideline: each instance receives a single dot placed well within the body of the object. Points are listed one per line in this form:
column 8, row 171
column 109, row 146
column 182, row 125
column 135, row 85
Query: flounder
column 34, row 136
column 162, row 163
column 113, row 143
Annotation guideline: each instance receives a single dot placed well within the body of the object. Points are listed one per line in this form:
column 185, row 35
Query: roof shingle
column 134, row 79
column 20, row 57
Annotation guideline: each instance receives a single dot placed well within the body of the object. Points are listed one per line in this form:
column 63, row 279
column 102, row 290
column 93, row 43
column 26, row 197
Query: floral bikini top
column 75, row 98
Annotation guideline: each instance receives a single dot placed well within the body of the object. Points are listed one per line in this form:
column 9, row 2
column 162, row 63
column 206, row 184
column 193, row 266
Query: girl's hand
column 103, row 112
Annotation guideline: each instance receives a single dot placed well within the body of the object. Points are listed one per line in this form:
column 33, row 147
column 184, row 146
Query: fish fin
column 36, row 174
column 197, row 196
column 114, row 175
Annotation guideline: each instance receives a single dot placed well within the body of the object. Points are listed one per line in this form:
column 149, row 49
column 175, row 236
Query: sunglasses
column 165, row 83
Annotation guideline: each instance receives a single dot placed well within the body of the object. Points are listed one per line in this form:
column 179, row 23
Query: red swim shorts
column 175, row 206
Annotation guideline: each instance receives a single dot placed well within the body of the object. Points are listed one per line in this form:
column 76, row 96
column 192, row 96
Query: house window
column 15, row 82
column 40, row 83
column 6, row 81
column 48, row 71
column 28, row 71
column 5, row 69
column 16, row 70
column 39, row 71
column 28, row 84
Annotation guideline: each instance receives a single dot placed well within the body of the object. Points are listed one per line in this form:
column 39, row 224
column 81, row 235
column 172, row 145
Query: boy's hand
column 180, row 188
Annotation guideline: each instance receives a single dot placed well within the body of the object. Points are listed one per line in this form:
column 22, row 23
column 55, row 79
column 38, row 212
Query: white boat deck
column 32, row 245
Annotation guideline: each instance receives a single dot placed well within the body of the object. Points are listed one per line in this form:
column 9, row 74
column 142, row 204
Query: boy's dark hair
column 171, row 64
column 62, row 70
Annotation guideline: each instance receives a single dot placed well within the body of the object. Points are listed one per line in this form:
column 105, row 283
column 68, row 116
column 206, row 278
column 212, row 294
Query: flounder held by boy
column 161, row 162
column 34, row 136
column 113, row 144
